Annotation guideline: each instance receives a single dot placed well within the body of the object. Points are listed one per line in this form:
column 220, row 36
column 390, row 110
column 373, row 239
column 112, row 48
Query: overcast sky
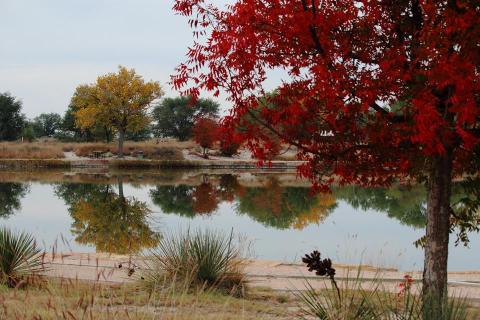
column 48, row 47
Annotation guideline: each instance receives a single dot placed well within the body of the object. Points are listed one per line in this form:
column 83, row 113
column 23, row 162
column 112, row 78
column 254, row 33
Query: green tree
column 69, row 130
column 175, row 116
column 141, row 135
column 118, row 101
column 72, row 132
column 46, row 124
column 11, row 118
column 28, row 133
column 10, row 195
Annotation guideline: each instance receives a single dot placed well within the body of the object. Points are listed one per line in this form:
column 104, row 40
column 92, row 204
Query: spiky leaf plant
column 19, row 257
column 206, row 259
column 351, row 300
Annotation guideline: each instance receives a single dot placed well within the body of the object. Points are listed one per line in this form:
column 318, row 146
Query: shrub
column 202, row 259
column 205, row 133
column 19, row 257
column 28, row 134
column 229, row 148
column 230, row 141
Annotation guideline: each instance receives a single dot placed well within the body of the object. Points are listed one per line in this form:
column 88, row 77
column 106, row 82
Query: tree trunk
column 121, row 137
column 107, row 134
column 120, row 187
column 437, row 231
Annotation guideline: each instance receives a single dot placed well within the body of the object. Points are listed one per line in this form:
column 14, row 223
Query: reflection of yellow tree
column 317, row 213
column 284, row 207
column 113, row 223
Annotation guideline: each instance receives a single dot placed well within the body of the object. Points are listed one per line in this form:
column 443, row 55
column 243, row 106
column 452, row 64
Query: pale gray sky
column 48, row 47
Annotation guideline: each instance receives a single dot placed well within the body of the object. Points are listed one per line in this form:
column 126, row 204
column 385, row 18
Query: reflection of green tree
column 283, row 207
column 112, row 222
column 406, row 204
column 293, row 207
column 185, row 200
column 174, row 199
column 10, row 196
column 271, row 205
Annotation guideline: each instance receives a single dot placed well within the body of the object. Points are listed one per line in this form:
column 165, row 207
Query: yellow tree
column 119, row 101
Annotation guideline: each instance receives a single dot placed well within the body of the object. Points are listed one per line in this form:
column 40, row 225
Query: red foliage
column 394, row 81
column 405, row 285
column 230, row 141
column 205, row 199
column 205, row 133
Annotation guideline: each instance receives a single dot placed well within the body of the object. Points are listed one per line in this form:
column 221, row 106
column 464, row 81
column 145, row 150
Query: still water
column 274, row 213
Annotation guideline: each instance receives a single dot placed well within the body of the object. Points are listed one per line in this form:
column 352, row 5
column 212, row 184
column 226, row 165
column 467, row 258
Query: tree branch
column 313, row 33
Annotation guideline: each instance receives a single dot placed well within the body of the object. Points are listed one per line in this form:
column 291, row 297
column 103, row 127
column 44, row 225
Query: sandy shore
column 276, row 275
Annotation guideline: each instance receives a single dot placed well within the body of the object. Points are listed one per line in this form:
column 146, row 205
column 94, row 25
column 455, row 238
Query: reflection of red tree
column 204, row 199
column 271, row 199
column 229, row 188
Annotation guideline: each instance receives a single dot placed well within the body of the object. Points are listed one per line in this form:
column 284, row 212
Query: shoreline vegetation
column 143, row 164
column 152, row 154
column 106, row 286
column 206, row 274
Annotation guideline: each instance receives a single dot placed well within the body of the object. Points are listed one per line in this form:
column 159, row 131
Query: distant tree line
column 169, row 118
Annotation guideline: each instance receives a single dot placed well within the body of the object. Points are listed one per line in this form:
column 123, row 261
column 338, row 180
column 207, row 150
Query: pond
column 274, row 213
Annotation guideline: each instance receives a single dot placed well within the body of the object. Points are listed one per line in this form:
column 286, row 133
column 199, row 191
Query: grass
column 199, row 259
column 152, row 149
column 71, row 299
column 352, row 300
column 30, row 150
column 19, row 257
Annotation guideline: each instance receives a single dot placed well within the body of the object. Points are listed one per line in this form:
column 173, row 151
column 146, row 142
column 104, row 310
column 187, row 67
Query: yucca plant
column 347, row 301
column 208, row 259
column 19, row 257
column 350, row 300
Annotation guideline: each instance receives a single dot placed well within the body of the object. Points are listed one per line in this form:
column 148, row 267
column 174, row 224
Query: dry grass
column 66, row 299
column 31, row 150
column 164, row 149
column 152, row 149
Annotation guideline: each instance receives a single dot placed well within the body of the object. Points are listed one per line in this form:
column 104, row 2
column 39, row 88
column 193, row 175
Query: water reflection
column 103, row 215
column 285, row 207
column 107, row 219
column 202, row 199
column 174, row 199
column 271, row 204
column 404, row 203
column 10, row 195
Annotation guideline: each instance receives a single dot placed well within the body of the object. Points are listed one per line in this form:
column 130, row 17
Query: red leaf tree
column 377, row 91
column 205, row 133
